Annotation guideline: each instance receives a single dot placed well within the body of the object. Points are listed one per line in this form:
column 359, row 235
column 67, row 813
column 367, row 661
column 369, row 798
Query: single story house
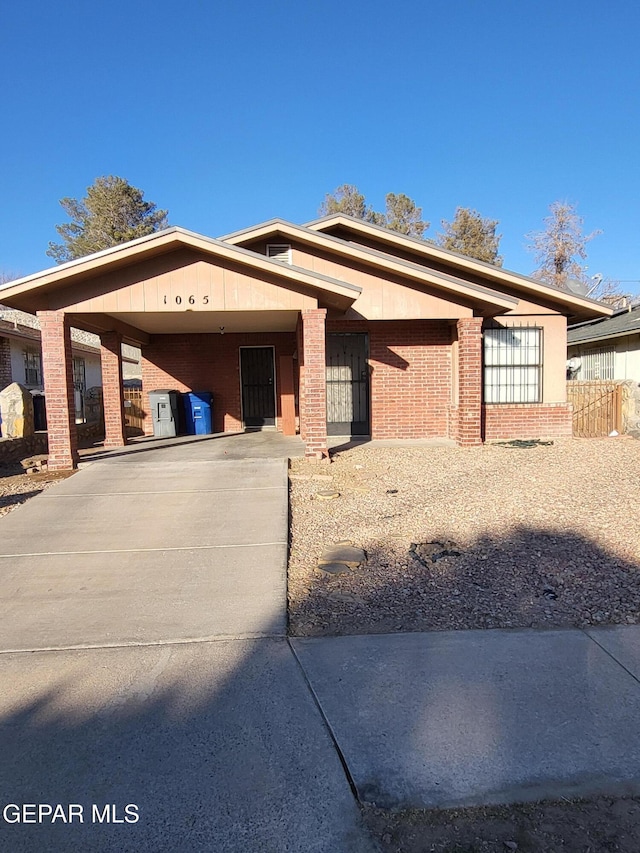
column 606, row 348
column 21, row 356
column 335, row 327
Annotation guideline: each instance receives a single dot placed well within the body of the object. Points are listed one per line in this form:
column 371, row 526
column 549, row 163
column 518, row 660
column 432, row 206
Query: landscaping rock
column 343, row 553
column 16, row 412
column 334, row 568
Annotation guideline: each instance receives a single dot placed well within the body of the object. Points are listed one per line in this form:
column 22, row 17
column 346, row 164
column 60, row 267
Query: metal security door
column 347, row 384
column 258, row 386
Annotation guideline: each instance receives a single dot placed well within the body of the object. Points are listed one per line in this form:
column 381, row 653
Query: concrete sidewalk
column 442, row 720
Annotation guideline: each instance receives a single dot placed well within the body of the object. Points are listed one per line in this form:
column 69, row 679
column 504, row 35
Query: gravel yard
column 16, row 487
column 540, row 536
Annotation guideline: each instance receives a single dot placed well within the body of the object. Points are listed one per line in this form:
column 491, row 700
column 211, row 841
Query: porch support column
column 57, row 369
column 313, row 384
column 470, row 381
column 112, row 389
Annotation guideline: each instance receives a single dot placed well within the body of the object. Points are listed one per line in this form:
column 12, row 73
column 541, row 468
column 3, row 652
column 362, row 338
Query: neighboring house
column 606, row 347
column 21, row 356
column 337, row 327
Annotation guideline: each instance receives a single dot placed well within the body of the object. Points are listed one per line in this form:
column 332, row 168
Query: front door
column 347, row 384
column 257, row 373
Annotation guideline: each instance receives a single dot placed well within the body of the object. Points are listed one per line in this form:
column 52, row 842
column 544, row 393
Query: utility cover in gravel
column 346, row 554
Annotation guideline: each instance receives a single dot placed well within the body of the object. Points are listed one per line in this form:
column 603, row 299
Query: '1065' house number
column 186, row 300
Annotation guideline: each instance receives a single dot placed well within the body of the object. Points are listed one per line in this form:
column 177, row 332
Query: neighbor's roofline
column 344, row 247
column 624, row 334
column 192, row 237
column 436, row 251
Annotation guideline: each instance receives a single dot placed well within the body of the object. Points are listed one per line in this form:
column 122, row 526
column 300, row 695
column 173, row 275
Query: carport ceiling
column 167, row 323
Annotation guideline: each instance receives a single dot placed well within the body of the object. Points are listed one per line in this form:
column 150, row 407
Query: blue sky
column 231, row 113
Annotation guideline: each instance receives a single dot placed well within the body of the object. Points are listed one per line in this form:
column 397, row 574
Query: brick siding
column 313, row 384
column 208, row 362
column 527, row 420
column 58, row 385
column 469, row 415
column 112, row 391
column 5, row 362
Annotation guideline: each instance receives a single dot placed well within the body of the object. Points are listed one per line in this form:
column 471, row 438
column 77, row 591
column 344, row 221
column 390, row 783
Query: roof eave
column 498, row 273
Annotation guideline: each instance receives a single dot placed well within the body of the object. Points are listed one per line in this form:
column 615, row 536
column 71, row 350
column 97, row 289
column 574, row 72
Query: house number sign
column 178, row 299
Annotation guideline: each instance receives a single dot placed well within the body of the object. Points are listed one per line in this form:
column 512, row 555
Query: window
column 597, row 364
column 513, row 365
column 279, row 252
column 32, row 367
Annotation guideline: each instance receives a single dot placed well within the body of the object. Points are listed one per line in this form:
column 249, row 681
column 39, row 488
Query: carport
column 206, row 315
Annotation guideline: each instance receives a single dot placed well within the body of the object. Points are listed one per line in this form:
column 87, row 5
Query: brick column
column 5, row 362
column 313, row 384
column 470, row 381
column 112, row 390
column 57, row 369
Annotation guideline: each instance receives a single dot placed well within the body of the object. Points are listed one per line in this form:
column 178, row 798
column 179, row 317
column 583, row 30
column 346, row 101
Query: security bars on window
column 513, row 365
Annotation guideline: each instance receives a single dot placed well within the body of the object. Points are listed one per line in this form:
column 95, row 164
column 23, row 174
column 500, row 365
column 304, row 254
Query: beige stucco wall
column 181, row 281
column 383, row 297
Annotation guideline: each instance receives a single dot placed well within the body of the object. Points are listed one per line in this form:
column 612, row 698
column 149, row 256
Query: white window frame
column 33, row 365
column 513, row 364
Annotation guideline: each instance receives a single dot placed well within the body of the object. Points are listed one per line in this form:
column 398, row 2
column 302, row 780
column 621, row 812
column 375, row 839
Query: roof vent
column 279, row 252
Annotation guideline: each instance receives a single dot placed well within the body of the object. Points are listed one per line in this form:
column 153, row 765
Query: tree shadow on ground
column 530, row 578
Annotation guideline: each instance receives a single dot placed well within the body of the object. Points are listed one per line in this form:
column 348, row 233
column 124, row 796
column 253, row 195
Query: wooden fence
column 597, row 407
column 133, row 412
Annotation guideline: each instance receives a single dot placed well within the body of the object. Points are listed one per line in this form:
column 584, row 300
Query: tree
column 401, row 214
column 113, row 212
column 348, row 199
column 473, row 235
column 560, row 246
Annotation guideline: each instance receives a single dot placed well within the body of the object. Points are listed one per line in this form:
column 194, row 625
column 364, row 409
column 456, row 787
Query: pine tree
column 473, row 235
column 112, row 212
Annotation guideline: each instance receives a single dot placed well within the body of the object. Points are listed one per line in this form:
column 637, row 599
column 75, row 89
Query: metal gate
column 347, row 384
column 597, row 407
column 257, row 370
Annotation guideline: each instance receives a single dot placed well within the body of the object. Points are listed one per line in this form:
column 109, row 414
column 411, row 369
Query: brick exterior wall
column 208, row 362
column 410, row 367
column 112, row 391
column 57, row 369
column 5, row 362
column 469, row 413
column 313, row 384
column 527, row 420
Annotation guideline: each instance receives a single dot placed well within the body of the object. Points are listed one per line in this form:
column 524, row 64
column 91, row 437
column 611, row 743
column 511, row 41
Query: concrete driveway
column 143, row 662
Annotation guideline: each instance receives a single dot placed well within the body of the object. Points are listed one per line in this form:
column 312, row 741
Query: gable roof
column 577, row 307
column 493, row 300
column 25, row 293
column 625, row 321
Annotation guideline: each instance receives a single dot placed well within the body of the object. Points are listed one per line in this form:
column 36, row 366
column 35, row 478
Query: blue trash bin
column 197, row 412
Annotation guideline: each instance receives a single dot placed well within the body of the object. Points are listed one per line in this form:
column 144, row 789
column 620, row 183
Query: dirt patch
column 545, row 536
column 581, row 826
column 16, row 487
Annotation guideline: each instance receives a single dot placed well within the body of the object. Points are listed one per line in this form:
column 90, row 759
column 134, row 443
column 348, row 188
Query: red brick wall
column 58, row 386
column 208, row 362
column 5, row 363
column 313, row 384
column 410, row 376
column 527, row 420
column 469, row 381
column 112, row 396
